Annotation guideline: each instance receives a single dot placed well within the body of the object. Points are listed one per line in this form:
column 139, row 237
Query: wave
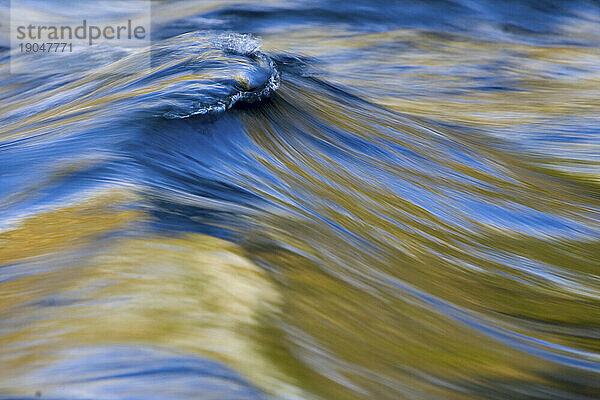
column 400, row 256
column 194, row 73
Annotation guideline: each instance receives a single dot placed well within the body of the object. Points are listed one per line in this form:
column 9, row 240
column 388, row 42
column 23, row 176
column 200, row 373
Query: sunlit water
column 308, row 200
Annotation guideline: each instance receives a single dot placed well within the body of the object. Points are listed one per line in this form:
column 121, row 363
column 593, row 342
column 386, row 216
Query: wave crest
column 194, row 73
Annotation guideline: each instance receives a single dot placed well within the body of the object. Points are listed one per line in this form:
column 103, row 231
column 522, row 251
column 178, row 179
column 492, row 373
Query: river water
column 308, row 200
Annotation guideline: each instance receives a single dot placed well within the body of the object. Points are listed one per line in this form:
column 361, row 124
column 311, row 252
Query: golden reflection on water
column 448, row 65
column 200, row 294
column 349, row 327
column 194, row 293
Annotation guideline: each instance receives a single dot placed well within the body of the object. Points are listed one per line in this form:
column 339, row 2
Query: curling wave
column 194, row 73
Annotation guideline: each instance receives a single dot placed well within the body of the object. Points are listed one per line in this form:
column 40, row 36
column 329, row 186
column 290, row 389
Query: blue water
column 306, row 200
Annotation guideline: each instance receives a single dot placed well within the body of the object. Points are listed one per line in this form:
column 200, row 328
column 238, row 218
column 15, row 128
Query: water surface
column 308, row 200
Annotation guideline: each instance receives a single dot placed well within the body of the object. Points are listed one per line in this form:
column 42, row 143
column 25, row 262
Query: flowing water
column 307, row 200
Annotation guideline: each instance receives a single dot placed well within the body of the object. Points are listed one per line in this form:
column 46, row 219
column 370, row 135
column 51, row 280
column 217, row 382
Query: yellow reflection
column 66, row 228
column 193, row 293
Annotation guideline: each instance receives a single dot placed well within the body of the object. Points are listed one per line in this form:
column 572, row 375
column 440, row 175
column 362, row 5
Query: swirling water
column 308, row 200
